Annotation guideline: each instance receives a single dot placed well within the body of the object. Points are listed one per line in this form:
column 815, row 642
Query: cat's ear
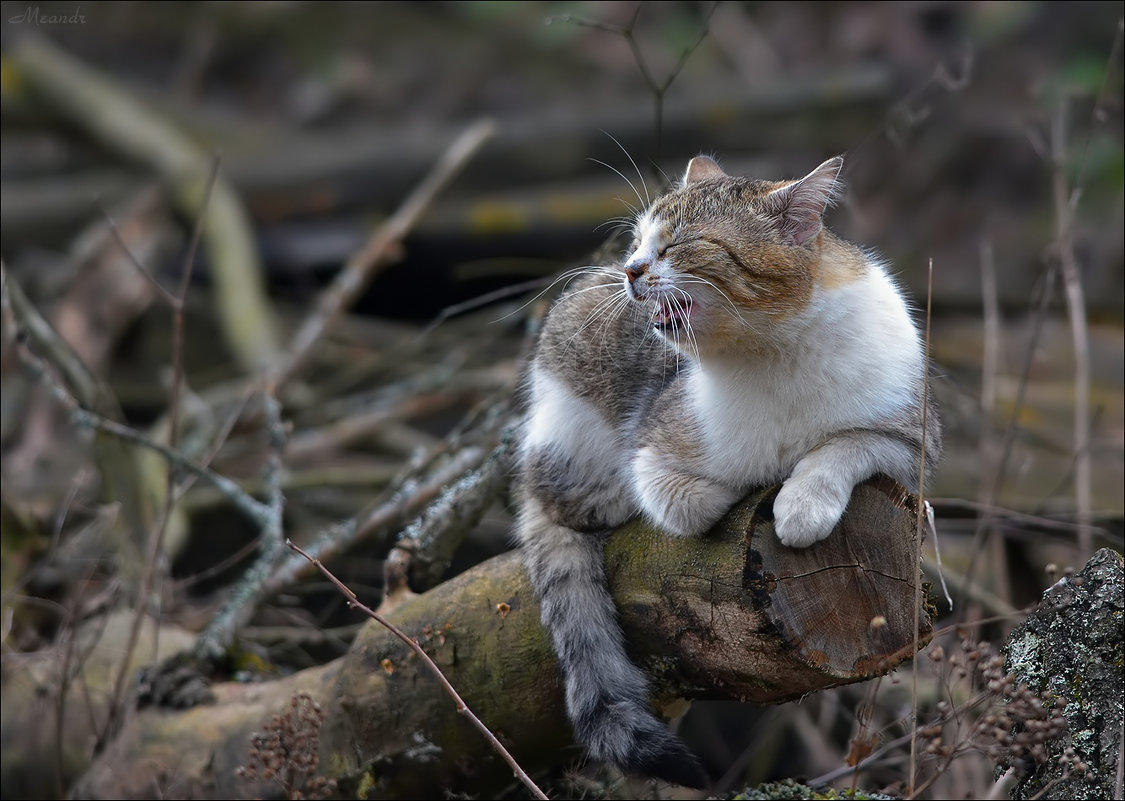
column 800, row 206
column 701, row 168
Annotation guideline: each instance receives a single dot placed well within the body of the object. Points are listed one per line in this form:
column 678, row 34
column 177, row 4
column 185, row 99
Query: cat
column 739, row 344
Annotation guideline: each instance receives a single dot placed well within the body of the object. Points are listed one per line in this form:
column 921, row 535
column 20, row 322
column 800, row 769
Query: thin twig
column 974, row 593
column 1024, row 518
column 1011, row 431
column 28, row 325
column 178, row 308
column 1065, row 202
column 83, row 418
column 248, row 593
column 989, row 366
column 658, row 88
column 361, row 267
column 462, row 707
column 156, row 536
column 918, row 535
column 119, row 238
column 433, row 537
column 409, row 500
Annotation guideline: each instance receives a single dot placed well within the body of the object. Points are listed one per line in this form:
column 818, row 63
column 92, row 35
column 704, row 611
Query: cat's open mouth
column 672, row 314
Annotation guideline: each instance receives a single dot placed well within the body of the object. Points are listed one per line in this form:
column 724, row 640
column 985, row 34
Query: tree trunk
column 732, row 614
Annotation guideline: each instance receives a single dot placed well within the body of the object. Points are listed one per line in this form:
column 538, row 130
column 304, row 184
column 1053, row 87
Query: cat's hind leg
column 573, row 459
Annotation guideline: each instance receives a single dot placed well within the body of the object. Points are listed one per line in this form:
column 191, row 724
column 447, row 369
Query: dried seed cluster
column 1014, row 726
column 287, row 752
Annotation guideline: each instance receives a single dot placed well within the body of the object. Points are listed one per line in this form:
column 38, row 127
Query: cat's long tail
column 606, row 694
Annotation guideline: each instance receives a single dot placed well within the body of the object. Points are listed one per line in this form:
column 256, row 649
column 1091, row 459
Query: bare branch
column 362, row 266
column 462, row 707
column 120, row 122
column 1076, row 311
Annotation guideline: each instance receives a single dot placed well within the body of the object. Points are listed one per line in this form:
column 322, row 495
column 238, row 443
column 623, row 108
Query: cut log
column 732, row 614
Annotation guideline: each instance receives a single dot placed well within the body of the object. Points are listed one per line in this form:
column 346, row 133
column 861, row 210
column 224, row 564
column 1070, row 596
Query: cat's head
column 720, row 260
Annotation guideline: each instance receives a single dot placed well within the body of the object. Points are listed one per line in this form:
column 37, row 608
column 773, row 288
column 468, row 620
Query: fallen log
column 732, row 614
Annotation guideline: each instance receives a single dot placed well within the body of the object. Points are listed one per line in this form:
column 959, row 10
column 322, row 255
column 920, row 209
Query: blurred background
column 982, row 138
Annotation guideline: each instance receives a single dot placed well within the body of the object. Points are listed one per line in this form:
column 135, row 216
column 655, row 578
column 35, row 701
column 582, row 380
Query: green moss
column 365, row 784
column 790, row 789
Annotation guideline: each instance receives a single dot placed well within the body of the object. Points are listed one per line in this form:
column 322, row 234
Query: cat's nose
column 635, row 268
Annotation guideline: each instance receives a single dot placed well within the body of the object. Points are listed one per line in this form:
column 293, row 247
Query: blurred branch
column 428, row 544
column 988, row 452
column 247, row 593
column 156, row 535
column 658, row 88
column 107, row 113
column 972, row 591
column 124, row 482
column 1065, row 202
column 85, row 418
column 412, row 496
column 378, row 251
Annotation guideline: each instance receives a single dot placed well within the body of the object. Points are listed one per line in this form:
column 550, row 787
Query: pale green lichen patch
column 1071, row 648
column 789, row 789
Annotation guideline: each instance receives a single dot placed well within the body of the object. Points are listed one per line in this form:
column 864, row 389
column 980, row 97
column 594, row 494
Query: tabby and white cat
column 739, row 344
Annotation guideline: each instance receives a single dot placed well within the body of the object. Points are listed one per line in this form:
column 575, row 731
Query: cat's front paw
column 805, row 511
column 679, row 503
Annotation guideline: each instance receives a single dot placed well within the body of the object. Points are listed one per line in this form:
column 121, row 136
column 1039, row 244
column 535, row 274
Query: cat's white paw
column 806, row 510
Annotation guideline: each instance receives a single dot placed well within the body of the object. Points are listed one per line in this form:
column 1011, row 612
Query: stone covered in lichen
column 788, row 789
column 1071, row 648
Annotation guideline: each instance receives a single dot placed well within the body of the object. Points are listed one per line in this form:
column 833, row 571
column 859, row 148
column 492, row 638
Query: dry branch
column 124, row 481
column 105, row 111
column 730, row 615
column 379, row 249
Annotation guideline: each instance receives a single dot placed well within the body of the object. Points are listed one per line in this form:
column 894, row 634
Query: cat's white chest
column 756, row 424
column 759, row 417
column 753, row 428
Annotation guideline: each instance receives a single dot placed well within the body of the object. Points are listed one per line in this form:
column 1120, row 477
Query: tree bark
column 1071, row 647
column 732, row 614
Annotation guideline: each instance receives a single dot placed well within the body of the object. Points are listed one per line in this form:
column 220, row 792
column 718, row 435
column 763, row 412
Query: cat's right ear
column 701, row 168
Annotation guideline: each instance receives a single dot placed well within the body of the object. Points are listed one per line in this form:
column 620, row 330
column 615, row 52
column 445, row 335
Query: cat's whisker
column 647, row 200
column 730, row 304
column 600, row 308
column 619, row 303
column 681, row 302
column 566, row 275
column 618, row 224
column 641, row 200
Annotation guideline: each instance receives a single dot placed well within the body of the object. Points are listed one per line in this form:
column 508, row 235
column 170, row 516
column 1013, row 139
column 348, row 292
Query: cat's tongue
column 671, row 315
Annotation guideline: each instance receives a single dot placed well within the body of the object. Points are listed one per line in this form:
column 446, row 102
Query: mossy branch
column 729, row 615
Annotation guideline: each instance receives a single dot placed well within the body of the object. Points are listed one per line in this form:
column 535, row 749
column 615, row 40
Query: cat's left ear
column 701, row 168
column 800, row 206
